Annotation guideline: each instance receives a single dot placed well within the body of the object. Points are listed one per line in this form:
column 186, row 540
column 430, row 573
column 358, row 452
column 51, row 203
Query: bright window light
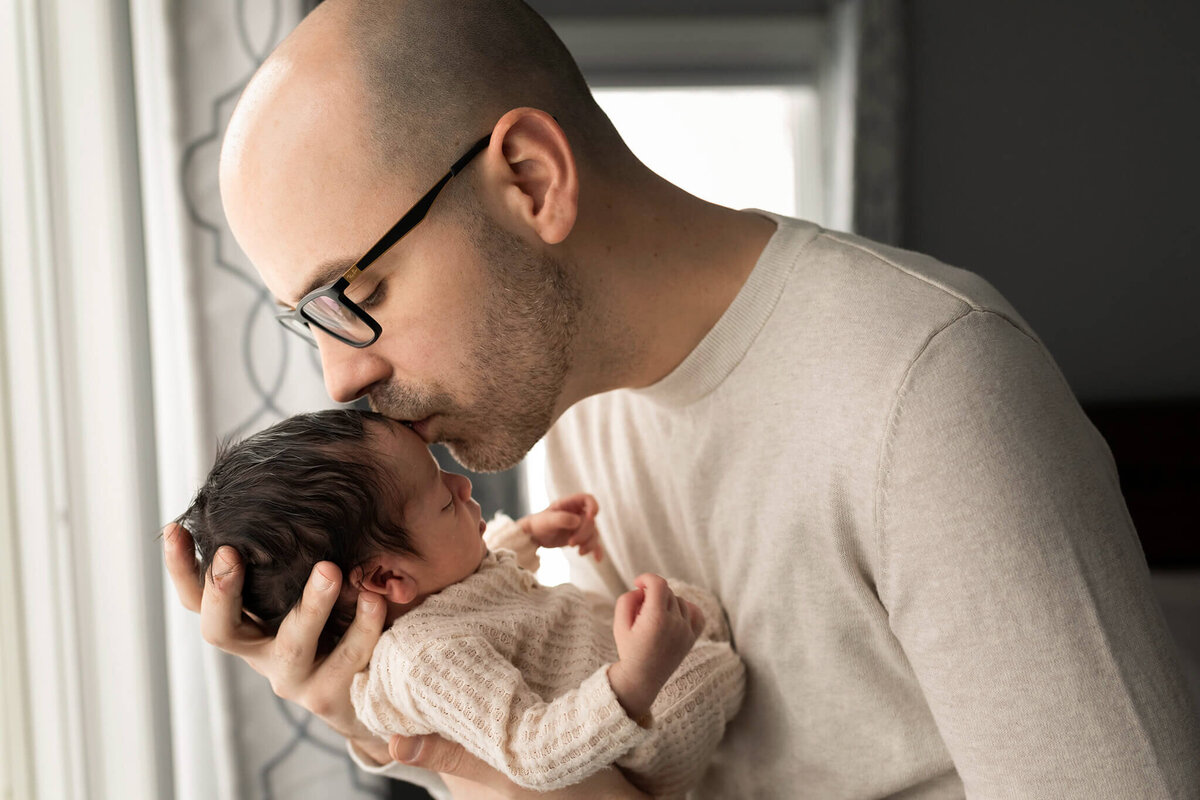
column 738, row 146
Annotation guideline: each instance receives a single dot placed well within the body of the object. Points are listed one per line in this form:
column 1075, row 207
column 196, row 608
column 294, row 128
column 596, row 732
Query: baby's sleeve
column 380, row 693
column 504, row 534
column 688, row 720
column 466, row 691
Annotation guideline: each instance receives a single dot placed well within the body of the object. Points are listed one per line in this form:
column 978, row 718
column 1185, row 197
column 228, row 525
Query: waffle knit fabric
column 516, row 672
column 919, row 538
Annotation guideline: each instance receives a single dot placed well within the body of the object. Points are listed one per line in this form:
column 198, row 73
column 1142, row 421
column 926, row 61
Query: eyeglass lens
column 334, row 317
column 298, row 326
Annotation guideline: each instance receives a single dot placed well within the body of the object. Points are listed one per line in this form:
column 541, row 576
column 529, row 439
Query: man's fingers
column 296, row 641
column 436, row 754
column 179, row 552
column 695, row 617
column 221, row 606
column 354, row 650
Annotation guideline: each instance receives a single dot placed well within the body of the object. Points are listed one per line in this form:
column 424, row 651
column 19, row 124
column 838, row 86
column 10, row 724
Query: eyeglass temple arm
column 418, row 212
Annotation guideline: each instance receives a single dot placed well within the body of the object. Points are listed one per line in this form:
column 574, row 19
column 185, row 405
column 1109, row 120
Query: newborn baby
column 546, row 684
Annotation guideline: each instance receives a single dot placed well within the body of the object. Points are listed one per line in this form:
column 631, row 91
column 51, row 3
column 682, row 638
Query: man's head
column 348, row 123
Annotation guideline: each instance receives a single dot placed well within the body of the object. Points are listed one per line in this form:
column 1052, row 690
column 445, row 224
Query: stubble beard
column 520, row 355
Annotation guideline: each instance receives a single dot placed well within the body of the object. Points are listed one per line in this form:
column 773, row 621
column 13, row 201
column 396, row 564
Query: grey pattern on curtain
column 252, row 373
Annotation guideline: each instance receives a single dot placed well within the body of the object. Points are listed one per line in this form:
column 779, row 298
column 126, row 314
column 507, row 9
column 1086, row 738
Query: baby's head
column 351, row 487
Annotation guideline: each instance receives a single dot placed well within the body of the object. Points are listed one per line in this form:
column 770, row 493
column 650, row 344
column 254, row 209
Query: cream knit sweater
column 919, row 538
column 518, row 674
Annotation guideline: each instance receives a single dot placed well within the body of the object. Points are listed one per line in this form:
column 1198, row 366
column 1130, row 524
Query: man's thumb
column 430, row 752
column 405, row 748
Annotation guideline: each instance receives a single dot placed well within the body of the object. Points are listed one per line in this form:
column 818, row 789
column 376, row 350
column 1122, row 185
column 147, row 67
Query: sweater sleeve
column 464, row 690
column 1015, row 583
column 504, row 534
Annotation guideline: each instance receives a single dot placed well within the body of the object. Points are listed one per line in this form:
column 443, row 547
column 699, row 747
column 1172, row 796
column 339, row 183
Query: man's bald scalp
column 438, row 74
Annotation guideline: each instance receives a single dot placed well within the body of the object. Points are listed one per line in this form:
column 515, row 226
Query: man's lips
column 421, row 428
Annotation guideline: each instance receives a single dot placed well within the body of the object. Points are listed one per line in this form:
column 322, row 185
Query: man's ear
column 389, row 577
column 530, row 162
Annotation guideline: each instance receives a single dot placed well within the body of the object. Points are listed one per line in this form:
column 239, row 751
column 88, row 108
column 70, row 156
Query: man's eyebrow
column 326, row 273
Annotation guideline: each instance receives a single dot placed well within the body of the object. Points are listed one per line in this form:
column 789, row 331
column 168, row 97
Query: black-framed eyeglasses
column 328, row 307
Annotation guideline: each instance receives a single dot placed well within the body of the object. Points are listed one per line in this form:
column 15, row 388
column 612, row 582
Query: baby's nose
column 462, row 486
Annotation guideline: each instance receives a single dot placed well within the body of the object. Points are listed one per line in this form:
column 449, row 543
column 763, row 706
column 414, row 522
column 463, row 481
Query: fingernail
column 320, row 580
column 407, row 749
column 229, row 560
column 223, row 564
column 367, row 602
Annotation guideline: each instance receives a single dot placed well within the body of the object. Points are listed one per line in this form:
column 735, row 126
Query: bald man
column 868, row 455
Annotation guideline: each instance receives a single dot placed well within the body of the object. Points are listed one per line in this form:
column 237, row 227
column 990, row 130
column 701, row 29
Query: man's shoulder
column 848, row 268
column 849, row 318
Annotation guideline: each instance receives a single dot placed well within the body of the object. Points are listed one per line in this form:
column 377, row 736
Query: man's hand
column 654, row 629
column 470, row 778
column 323, row 687
column 288, row 660
column 568, row 521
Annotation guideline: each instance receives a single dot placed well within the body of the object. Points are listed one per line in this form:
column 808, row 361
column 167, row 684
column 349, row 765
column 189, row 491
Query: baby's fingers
column 546, row 526
column 629, row 605
column 658, row 594
column 583, row 504
column 594, row 548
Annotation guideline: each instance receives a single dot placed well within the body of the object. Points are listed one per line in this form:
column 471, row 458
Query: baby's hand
column 654, row 629
column 567, row 521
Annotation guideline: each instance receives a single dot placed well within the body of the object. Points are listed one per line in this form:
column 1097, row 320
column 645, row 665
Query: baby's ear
column 386, row 576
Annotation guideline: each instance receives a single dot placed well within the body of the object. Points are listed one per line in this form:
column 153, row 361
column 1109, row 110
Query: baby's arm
column 654, row 629
column 568, row 521
column 504, row 534
column 466, row 691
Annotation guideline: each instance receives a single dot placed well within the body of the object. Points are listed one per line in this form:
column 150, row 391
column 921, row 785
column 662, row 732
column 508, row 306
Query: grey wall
column 1054, row 148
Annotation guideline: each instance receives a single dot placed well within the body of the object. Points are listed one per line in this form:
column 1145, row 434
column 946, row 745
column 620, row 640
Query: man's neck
column 656, row 271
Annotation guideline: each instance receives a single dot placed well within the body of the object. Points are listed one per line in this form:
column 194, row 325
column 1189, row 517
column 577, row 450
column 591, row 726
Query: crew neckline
column 726, row 344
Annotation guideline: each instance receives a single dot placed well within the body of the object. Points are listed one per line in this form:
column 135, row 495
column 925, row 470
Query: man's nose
column 349, row 371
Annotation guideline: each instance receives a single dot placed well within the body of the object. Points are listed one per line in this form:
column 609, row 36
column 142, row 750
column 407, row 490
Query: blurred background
column 1048, row 146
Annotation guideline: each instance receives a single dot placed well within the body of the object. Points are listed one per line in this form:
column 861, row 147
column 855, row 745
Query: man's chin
column 485, row 456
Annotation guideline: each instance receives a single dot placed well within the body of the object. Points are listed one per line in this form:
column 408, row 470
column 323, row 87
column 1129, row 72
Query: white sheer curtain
column 132, row 336
column 78, row 410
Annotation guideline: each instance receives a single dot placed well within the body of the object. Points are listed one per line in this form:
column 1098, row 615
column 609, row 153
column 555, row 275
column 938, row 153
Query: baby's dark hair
column 304, row 490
